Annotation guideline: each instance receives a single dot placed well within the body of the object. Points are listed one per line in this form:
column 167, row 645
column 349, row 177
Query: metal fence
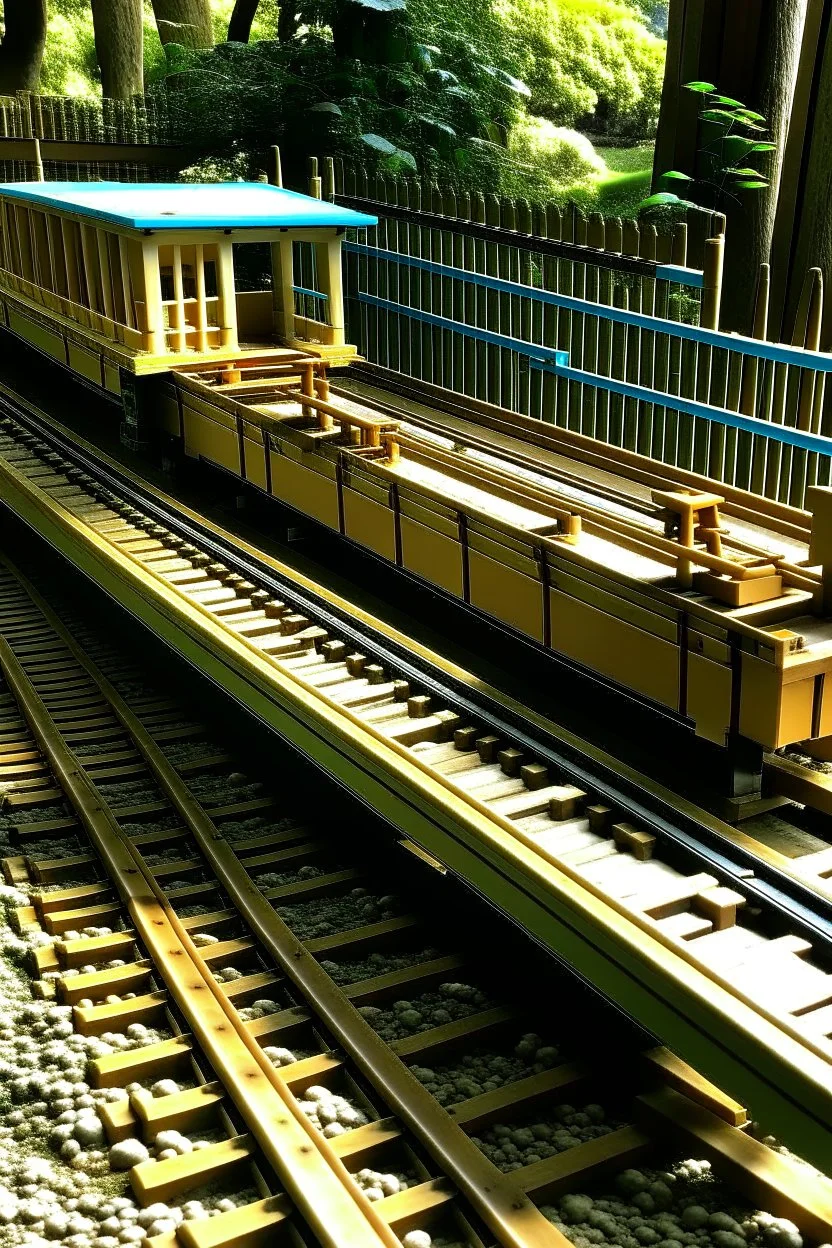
column 67, row 139
column 604, row 328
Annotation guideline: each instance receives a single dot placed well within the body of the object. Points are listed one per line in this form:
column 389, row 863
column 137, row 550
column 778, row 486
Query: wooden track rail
column 575, row 851
column 49, row 671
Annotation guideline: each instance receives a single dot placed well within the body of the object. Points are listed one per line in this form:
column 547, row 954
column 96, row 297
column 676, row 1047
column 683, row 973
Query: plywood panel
column 370, row 523
column 432, row 555
column 709, row 698
column 85, row 362
column 506, row 593
column 309, row 492
column 111, row 378
column 624, row 653
column 51, row 343
column 255, row 457
column 207, row 439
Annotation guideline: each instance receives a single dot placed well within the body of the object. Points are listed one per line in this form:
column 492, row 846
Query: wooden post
column 712, row 288
column 201, row 308
column 329, row 179
column 126, row 286
column 283, row 297
column 227, row 294
column 90, row 262
column 154, row 313
column 37, row 160
column 330, row 283
column 69, row 236
column 180, row 336
column 274, row 171
column 819, row 503
column 106, row 279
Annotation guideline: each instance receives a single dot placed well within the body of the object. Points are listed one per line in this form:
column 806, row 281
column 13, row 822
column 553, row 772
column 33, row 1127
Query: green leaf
column 763, row 147
column 742, row 173
column 327, row 107
column 726, row 99
column 399, row 160
column 662, row 197
column 378, row 144
column 735, row 146
column 677, row 176
column 747, row 112
column 701, row 87
column 718, row 114
column 508, row 80
column 758, row 184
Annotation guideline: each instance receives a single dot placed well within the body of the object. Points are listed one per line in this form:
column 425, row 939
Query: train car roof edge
column 187, row 205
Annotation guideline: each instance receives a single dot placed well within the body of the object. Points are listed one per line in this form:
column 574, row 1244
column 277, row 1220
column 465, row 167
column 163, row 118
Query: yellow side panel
column 370, row 523
column 796, row 712
column 825, row 726
column 85, row 363
column 255, row 456
column 308, row 491
column 166, row 410
column 432, row 555
column 211, row 441
column 52, row 343
column 618, row 650
column 506, row 593
column 709, row 698
column 770, row 712
column 111, row 378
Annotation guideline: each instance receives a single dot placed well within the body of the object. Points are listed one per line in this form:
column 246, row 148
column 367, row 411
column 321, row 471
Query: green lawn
column 628, row 183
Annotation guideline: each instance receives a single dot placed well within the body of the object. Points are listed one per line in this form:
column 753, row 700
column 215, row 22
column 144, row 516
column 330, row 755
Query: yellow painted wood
column 87, row 363
column 506, row 594
column 432, row 555
column 252, row 1226
column 207, row 439
column 777, row 1183
column 309, row 491
column 585, row 1163
column 370, row 523
column 615, row 648
column 709, row 698
column 38, row 335
column 162, row 1180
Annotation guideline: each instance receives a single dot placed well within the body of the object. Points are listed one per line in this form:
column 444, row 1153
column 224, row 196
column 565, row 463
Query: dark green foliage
column 366, row 78
column 723, row 157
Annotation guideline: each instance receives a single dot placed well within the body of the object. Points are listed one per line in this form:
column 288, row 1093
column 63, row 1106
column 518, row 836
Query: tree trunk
column 239, row 27
column 184, row 21
column 750, row 226
column 287, row 21
column 813, row 236
column 21, row 51
column 118, row 47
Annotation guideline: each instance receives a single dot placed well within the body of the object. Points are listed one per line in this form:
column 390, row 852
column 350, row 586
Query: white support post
column 201, row 309
column 227, row 295
column 283, row 296
column 180, row 337
column 154, row 317
column 330, row 282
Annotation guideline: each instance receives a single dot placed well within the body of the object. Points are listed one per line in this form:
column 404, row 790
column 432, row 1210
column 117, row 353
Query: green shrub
column 589, row 63
column 551, row 160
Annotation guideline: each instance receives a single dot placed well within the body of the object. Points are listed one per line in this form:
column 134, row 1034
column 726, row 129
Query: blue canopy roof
column 184, row 205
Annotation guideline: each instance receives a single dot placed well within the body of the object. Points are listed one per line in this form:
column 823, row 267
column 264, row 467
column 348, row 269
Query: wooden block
column 466, row 738
column 640, row 844
column 153, row 1061
column 408, row 1208
column 566, row 802
column 670, row 898
column 510, row 761
column 161, row 1180
column 534, row 775
column 251, row 1226
column 487, row 748
column 191, row 1110
column 118, row 1015
column 719, row 905
column 584, row 1163
column 115, row 980
column 598, row 816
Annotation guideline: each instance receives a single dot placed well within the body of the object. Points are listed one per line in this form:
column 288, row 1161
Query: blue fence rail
column 637, row 369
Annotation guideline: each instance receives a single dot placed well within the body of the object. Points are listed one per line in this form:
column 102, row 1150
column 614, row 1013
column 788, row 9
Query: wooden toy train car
column 700, row 599
column 121, row 281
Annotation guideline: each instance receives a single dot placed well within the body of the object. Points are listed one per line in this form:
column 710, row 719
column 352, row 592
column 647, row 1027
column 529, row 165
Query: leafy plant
column 726, row 158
